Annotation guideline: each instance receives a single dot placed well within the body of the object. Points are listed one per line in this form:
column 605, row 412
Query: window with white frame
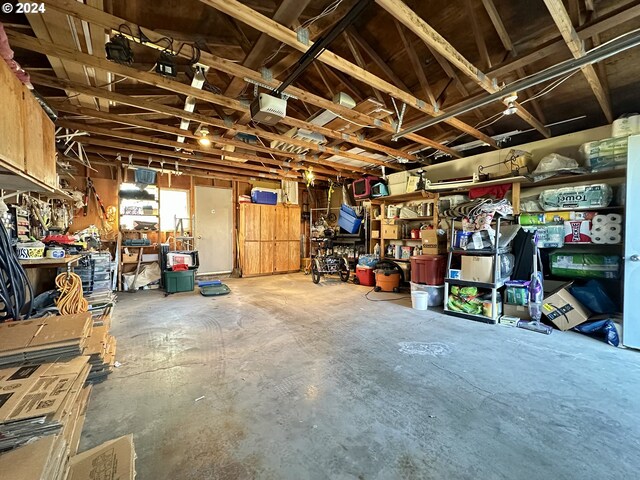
column 174, row 204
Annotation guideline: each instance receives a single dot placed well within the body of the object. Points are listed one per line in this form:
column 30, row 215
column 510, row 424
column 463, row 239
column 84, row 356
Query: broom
column 536, row 296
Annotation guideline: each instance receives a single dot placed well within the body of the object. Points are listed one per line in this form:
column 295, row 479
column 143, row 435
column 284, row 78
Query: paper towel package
column 580, row 197
column 527, row 219
column 584, row 265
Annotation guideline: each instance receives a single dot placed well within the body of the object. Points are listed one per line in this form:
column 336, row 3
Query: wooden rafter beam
column 377, row 59
column 111, row 22
column 477, row 34
column 173, row 153
column 287, row 12
column 160, row 128
column 563, row 21
column 124, row 150
column 505, row 38
column 31, row 43
column 357, row 56
column 403, row 14
column 417, row 67
column 557, row 45
column 287, row 36
column 172, row 111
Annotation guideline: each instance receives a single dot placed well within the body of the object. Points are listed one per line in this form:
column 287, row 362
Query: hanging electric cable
column 16, row 293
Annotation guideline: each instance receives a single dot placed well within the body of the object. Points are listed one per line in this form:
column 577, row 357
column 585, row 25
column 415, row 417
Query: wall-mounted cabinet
column 269, row 238
column 28, row 147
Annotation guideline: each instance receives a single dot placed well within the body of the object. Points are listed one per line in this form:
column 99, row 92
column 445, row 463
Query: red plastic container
column 365, row 276
column 428, row 269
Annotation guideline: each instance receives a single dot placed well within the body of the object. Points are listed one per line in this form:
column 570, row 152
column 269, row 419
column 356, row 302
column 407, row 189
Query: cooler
column 365, row 276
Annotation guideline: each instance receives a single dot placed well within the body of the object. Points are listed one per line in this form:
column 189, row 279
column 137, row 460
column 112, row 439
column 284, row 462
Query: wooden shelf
column 414, row 219
column 578, row 178
column 612, row 208
column 405, row 197
column 51, row 262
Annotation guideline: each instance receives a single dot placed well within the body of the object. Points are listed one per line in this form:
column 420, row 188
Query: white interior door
column 631, row 321
column 214, row 229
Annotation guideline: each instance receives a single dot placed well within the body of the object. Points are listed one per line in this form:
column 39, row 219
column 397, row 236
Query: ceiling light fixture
column 166, row 64
column 119, row 51
column 205, row 141
column 510, row 102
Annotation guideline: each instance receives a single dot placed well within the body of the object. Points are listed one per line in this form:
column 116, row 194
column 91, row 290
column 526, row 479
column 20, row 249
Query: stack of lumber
column 44, row 339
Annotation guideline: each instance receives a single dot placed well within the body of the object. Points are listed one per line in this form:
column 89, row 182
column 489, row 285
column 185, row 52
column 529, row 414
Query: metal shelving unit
column 495, row 252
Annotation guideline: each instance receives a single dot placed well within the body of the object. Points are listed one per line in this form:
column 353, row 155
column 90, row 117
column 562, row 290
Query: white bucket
column 419, row 300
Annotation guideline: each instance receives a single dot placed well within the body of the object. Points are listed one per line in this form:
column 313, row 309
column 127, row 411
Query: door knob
column 199, row 237
column 634, row 258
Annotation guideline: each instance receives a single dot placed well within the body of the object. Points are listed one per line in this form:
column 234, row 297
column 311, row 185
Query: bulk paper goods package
column 579, row 197
column 578, row 231
column 527, row 219
column 549, row 236
column 607, row 229
column 585, row 265
column 606, row 154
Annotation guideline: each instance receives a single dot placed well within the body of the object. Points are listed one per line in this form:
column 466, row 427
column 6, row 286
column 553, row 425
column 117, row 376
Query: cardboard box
column 477, row 268
column 392, row 232
column 38, row 390
column 113, row 460
column 432, row 243
column 131, row 257
column 519, row 311
column 563, row 310
column 375, row 233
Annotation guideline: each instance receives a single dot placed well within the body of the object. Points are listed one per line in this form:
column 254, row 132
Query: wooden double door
column 269, row 239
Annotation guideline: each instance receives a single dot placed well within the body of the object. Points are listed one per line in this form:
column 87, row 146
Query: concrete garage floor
column 298, row 381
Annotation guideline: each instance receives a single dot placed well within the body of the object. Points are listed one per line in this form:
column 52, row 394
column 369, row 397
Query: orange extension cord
column 70, row 300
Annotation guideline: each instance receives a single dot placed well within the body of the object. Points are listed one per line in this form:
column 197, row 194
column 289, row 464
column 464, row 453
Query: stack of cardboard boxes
column 46, row 368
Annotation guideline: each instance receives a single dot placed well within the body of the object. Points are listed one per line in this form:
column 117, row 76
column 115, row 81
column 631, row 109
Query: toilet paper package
column 607, row 229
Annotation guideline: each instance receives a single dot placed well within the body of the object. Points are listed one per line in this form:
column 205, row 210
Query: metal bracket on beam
column 303, row 35
column 267, row 74
column 285, row 96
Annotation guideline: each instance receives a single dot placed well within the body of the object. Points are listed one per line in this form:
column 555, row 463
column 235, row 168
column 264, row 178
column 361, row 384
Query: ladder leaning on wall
column 183, row 233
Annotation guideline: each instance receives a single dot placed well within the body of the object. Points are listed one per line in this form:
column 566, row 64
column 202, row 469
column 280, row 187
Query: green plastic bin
column 181, row 281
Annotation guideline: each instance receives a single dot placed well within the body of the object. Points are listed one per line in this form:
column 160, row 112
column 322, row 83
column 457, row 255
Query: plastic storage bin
column 146, row 176
column 348, row 220
column 434, row 292
column 365, row 276
column 428, row 269
column 182, row 281
column 263, row 196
